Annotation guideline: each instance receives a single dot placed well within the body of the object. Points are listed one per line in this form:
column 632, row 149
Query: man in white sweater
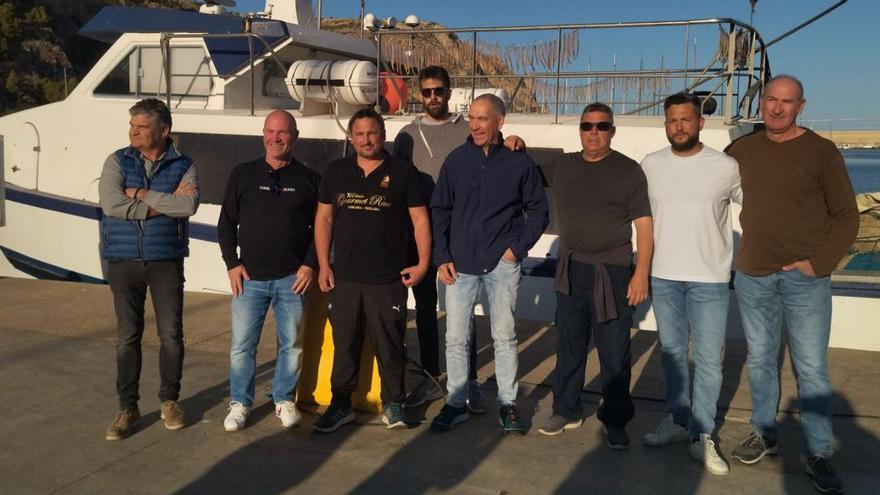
column 690, row 187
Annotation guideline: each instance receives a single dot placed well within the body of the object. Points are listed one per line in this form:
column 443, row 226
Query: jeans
column 502, row 285
column 128, row 282
column 698, row 309
column 805, row 303
column 248, row 314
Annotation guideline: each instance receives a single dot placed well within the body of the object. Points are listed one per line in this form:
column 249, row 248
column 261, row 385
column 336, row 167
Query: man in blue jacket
column 488, row 209
column 147, row 193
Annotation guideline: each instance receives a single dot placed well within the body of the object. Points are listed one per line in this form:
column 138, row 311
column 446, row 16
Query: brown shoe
column 173, row 415
column 122, row 425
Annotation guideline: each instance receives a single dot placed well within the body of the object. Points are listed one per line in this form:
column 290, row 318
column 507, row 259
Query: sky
column 837, row 58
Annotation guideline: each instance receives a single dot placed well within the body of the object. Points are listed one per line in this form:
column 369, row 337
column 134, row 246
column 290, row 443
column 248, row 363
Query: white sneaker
column 667, row 432
column 237, row 416
column 287, row 413
column 704, row 451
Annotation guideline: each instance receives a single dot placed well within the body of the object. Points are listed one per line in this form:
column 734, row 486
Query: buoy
column 393, row 93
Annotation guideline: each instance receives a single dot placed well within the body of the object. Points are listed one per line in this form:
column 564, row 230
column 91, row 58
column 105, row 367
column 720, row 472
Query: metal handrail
column 732, row 71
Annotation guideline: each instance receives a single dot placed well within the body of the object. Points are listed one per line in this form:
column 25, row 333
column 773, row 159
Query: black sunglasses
column 427, row 92
column 600, row 126
column 275, row 182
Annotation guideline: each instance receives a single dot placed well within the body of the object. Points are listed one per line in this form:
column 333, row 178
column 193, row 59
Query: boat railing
column 741, row 56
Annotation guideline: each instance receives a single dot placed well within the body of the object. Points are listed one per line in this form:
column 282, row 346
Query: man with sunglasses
column 265, row 235
column 426, row 142
column 691, row 187
column 597, row 194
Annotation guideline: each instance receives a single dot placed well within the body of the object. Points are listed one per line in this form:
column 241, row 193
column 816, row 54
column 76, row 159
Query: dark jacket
column 483, row 205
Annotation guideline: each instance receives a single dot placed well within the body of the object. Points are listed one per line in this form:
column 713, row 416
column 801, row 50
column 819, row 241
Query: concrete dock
column 57, row 356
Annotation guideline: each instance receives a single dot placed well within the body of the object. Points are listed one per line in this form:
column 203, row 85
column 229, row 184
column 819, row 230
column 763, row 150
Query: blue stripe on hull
column 45, row 271
column 531, row 267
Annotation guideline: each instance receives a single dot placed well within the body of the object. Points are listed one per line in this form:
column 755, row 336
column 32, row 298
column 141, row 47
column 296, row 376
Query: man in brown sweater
column 799, row 218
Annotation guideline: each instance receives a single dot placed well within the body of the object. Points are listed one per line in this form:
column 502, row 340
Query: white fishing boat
column 221, row 73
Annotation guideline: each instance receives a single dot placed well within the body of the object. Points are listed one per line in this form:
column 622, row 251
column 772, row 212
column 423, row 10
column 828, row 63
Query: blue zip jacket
column 483, row 205
column 160, row 238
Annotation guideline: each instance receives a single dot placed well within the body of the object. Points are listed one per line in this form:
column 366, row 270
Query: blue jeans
column 248, row 314
column 698, row 309
column 805, row 303
column 502, row 284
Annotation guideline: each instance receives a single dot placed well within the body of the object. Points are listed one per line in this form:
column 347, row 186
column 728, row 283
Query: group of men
column 457, row 203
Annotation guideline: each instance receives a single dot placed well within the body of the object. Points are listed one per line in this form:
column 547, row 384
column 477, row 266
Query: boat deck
column 57, row 344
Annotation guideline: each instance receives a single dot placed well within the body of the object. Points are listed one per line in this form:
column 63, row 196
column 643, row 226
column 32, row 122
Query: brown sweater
column 798, row 204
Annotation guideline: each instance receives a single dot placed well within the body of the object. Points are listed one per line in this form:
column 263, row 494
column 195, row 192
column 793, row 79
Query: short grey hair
column 789, row 77
column 154, row 109
column 495, row 102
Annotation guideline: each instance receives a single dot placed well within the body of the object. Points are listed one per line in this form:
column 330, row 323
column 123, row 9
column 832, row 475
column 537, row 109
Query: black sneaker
column 616, row 438
column 333, row 418
column 754, row 448
column 825, row 479
column 510, row 420
column 449, row 416
column 393, row 415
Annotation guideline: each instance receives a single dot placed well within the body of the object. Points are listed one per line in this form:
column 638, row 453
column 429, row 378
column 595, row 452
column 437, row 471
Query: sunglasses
column 600, row 126
column 274, row 182
column 428, row 92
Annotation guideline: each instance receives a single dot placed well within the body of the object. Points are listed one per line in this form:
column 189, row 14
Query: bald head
column 786, row 79
column 279, row 137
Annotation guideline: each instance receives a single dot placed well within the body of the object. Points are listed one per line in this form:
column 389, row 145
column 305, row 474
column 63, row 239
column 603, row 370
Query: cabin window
column 142, row 73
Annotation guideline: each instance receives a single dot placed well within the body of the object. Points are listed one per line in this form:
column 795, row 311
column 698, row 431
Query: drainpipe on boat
column 558, row 70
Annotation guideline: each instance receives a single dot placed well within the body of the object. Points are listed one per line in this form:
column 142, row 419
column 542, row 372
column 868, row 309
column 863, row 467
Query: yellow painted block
column 317, row 362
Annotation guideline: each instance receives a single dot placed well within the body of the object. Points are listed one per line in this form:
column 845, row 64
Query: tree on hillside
column 39, row 46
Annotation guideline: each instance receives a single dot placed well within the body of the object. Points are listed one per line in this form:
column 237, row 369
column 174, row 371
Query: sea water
column 864, row 169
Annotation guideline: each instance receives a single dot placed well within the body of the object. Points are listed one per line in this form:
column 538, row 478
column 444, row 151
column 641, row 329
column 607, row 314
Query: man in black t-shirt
column 267, row 214
column 597, row 193
column 366, row 205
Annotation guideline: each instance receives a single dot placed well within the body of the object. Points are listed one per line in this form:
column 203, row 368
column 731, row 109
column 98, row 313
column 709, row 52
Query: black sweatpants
column 379, row 310
column 575, row 321
column 129, row 281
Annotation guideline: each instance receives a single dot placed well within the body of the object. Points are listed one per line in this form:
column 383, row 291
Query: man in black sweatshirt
column 266, row 236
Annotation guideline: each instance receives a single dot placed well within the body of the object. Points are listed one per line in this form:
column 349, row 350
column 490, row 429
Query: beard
column 689, row 144
column 438, row 112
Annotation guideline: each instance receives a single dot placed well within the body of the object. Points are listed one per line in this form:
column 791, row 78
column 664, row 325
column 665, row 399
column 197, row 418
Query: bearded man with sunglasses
column 265, row 233
column 425, row 143
column 597, row 194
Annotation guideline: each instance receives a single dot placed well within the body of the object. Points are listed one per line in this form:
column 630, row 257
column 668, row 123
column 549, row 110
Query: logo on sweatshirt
column 385, row 182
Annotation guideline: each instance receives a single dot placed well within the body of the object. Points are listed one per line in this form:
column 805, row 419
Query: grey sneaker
column 424, row 391
column 237, row 417
column 705, row 451
column 475, row 402
column 172, row 414
column 667, row 432
column 555, row 425
column 754, row 448
column 122, row 425
column 824, row 477
column 393, row 415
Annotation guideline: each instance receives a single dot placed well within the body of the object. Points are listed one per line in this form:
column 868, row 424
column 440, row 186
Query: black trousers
column 378, row 310
column 129, row 281
column 575, row 322
column 425, row 295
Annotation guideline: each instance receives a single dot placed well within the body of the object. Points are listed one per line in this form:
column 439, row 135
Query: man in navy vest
column 147, row 192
